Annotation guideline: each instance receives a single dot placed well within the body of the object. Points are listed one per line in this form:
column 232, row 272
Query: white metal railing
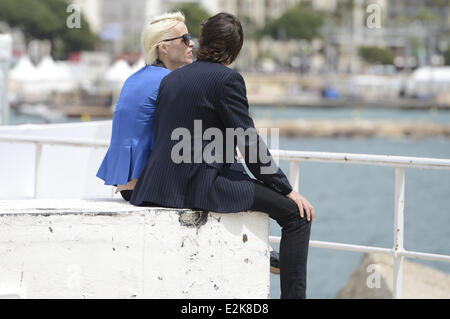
column 294, row 158
column 40, row 141
column 400, row 163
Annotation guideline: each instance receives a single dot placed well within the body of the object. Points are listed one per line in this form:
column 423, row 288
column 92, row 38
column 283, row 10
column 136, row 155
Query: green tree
column 343, row 12
column 32, row 17
column 447, row 57
column 376, row 55
column 194, row 15
column 298, row 22
column 75, row 39
column 424, row 15
column 46, row 19
column 439, row 3
column 249, row 26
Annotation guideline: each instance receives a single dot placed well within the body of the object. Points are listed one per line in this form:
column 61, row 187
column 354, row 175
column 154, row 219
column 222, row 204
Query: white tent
column 39, row 81
column 115, row 77
column 25, row 80
column 435, row 74
column 69, row 79
column 48, row 70
column 118, row 72
column 428, row 81
column 55, row 76
column 24, row 71
column 138, row 65
column 370, row 85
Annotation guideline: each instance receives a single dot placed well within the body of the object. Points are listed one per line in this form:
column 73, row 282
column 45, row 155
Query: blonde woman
column 167, row 46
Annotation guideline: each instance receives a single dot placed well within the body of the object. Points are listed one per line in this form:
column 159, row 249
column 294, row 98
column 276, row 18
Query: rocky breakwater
column 355, row 128
column 373, row 279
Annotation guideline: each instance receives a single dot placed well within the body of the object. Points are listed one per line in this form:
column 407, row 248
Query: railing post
column 38, row 171
column 398, row 231
column 294, row 174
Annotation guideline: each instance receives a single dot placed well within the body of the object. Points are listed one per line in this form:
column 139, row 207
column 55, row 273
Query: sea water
column 354, row 204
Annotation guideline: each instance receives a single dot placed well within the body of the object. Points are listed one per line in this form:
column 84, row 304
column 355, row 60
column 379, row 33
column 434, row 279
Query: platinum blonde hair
column 156, row 30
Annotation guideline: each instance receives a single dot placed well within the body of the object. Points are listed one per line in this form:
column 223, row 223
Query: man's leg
column 295, row 233
column 126, row 194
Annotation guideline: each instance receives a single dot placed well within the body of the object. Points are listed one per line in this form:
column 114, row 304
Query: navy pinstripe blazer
column 216, row 95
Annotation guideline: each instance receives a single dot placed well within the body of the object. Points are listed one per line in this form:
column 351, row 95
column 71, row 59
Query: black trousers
column 126, row 194
column 295, row 233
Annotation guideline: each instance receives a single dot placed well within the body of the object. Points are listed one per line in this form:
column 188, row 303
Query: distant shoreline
column 301, row 127
column 356, row 128
column 297, row 101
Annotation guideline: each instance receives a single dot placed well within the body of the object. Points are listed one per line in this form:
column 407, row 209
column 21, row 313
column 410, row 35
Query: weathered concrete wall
column 373, row 278
column 111, row 249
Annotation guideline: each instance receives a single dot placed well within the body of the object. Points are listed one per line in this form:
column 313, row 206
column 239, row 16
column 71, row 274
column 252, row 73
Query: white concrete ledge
column 111, row 249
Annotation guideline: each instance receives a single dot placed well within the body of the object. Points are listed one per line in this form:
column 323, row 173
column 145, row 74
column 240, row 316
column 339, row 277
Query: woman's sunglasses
column 186, row 39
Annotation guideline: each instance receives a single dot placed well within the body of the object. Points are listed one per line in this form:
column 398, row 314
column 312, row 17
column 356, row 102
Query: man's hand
column 302, row 204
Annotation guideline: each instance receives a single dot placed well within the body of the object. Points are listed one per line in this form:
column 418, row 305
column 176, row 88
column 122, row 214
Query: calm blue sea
column 355, row 203
column 290, row 112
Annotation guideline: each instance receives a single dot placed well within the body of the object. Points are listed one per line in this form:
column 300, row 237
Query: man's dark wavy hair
column 221, row 39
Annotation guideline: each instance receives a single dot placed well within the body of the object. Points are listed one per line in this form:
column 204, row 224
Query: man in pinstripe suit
column 210, row 93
